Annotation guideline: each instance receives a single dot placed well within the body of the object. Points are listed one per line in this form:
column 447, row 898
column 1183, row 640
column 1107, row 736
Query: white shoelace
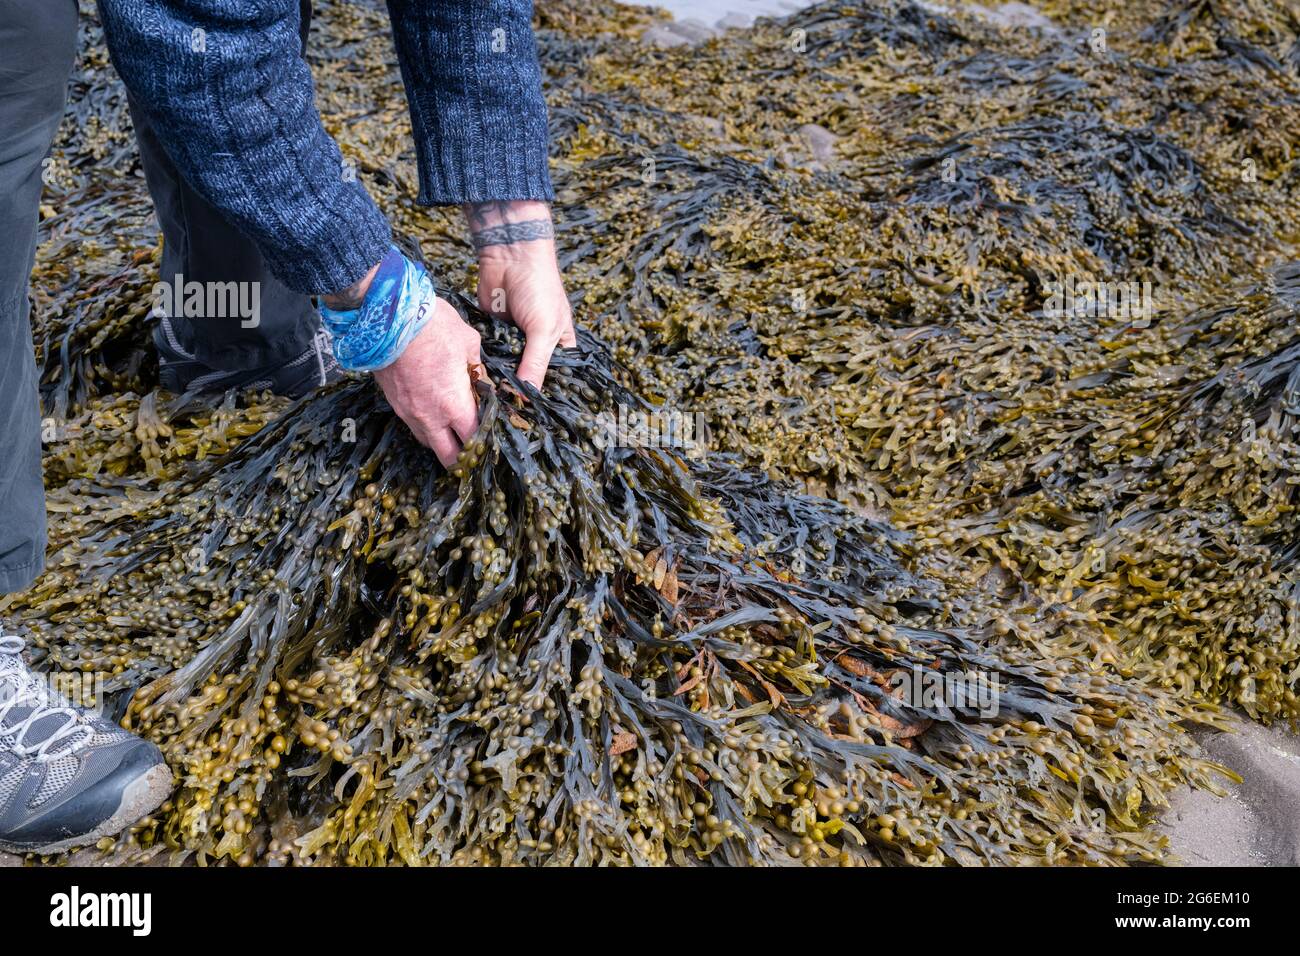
column 19, row 687
column 322, row 342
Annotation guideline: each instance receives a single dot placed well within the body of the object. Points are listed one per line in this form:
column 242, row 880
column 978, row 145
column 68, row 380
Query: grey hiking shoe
column 181, row 371
column 67, row 778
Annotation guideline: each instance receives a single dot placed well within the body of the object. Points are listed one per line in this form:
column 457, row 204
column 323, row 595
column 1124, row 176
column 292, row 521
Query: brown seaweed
column 570, row 651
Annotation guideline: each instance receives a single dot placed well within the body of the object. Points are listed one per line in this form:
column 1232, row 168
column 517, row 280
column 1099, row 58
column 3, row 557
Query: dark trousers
column 38, row 40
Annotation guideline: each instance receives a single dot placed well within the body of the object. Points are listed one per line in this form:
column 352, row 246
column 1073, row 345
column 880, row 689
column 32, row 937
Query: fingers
column 531, row 295
column 429, row 384
column 540, row 346
column 444, row 444
column 492, row 300
column 537, row 356
column 463, row 416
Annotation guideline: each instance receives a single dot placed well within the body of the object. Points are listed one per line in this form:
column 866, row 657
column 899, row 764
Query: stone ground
column 1258, row 822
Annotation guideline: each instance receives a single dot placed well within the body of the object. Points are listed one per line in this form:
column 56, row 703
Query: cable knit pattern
column 234, row 105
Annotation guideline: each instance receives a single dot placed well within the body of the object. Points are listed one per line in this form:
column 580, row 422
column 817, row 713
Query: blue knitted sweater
column 233, row 102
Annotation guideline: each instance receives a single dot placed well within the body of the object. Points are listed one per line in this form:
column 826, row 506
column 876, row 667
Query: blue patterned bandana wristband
column 398, row 304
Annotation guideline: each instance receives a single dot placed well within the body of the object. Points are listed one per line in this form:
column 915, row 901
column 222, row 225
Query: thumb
column 536, row 358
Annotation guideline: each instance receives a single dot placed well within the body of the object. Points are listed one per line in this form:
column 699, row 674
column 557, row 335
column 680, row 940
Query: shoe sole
column 140, row 798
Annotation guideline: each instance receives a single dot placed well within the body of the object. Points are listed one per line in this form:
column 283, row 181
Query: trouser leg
column 38, row 40
column 200, row 245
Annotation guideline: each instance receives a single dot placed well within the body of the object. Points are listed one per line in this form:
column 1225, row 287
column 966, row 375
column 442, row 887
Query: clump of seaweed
column 567, row 651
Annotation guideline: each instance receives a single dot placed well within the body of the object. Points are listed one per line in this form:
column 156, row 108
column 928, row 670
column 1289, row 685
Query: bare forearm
column 350, row 298
column 508, row 223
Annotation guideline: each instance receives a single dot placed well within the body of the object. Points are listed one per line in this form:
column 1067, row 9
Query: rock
column 929, row 7
column 1013, row 14
column 711, row 124
column 735, row 21
column 694, row 30
column 678, row 32
column 1021, row 15
column 820, row 141
column 660, row 35
column 1258, row 823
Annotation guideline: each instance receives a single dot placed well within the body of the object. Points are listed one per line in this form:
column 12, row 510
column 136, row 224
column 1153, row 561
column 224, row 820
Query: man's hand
column 519, row 278
column 429, row 385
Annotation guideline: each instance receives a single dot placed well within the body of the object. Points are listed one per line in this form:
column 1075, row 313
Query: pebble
column 820, row 142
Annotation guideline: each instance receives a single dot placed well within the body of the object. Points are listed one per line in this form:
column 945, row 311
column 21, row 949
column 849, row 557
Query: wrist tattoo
column 511, row 232
column 345, row 300
column 483, row 214
column 490, row 224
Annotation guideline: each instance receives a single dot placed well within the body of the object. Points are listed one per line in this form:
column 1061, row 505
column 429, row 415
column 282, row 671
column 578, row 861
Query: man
column 225, row 102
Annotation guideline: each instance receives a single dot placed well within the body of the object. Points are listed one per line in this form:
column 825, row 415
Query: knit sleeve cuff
column 474, row 87
column 336, row 260
column 487, row 178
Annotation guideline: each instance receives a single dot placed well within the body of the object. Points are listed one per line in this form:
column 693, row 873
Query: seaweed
column 877, row 325
column 571, row 651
